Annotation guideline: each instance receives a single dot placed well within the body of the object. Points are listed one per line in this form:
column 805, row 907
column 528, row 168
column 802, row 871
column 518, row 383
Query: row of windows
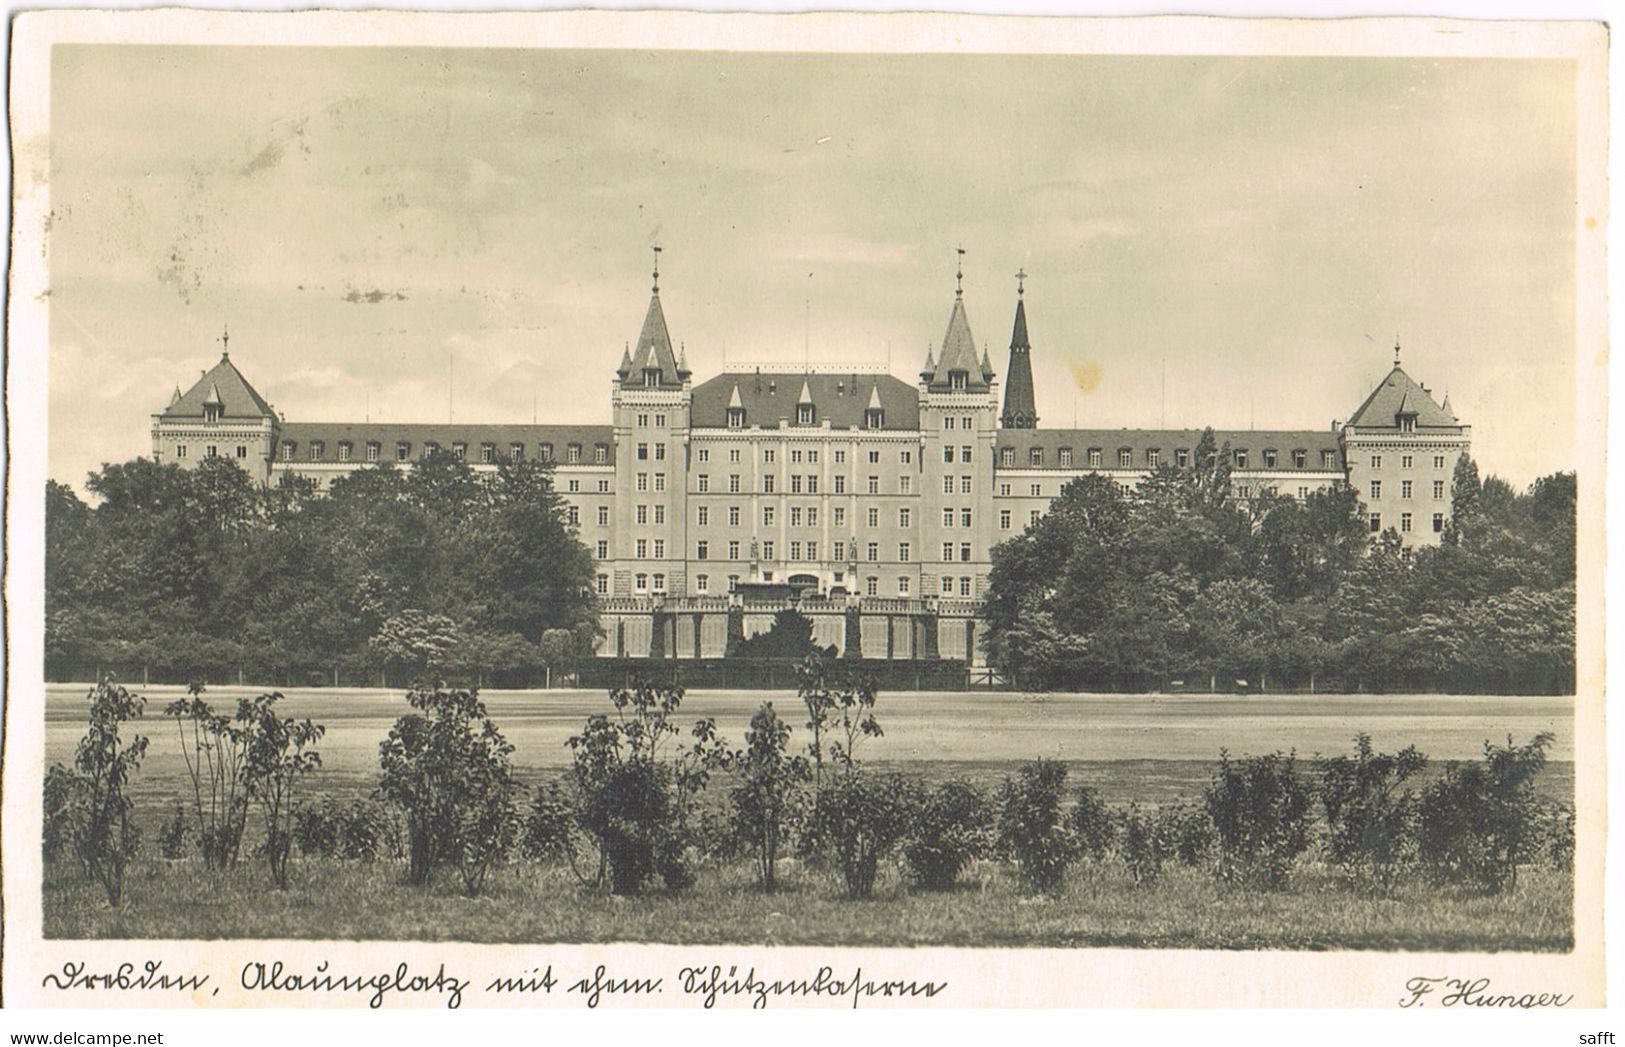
column 1406, row 460
column 965, row 422
column 1405, row 490
column 316, row 450
column 211, row 451
column 1095, row 458
column 807, row 414
column 656, row 582
column 1405, row 523
column 799, row 484
column 770, row 455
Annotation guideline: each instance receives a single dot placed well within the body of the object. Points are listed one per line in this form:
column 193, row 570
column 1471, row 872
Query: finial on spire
column 959, row 274
column 225, row 341
column 657, row 269
column 1021, row 279
column 1396, row 350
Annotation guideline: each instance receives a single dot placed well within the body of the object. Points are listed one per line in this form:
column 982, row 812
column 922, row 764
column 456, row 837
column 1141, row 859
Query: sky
column 411, row 234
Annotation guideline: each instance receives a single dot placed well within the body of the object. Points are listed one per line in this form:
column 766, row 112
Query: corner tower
column 1019, row 410
column 220, row 416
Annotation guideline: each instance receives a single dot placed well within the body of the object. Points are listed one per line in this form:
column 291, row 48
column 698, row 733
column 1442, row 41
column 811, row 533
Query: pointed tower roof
column 930, row 369
column 806, row 393
column 654, row 350
column 1020, row 412
column 173, row 400
column 959, row 351
column 224, row 387
column 874, row 397
column 626, row 361
column 734, row 401
column 1399, row 394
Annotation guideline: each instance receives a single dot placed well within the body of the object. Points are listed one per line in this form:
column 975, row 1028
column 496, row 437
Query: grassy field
column 1100, row 906
column 1149, row 749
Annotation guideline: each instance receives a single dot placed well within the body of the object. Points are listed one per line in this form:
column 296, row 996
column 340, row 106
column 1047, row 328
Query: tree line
column 1178, row 582
column 389, row 574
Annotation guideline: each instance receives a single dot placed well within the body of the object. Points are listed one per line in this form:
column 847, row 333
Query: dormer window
column 600, row 453
column 211, row 412
column 516, row 451
column 651, row 377
column 403, row 450
column 1407, row 423
column 546, row 452
column 736, row 418
column 1270, row 458
column 488, row 453
column 461, row 451
column 317, row 448
column 372, row 450
column 958, row 379
column 430, row 447
column 287, row 450
column 874, row 418
column 1300, row 459
column 344, row 450
column 1241, row 459
column 572, row 454
column 804, row 414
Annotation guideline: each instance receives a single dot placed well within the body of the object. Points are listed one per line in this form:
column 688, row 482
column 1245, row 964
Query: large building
column 870, row 504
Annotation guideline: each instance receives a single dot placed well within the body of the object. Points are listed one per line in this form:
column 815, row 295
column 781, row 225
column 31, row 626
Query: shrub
column 860, row 819
column 1192, row 833
column 276, row 754
column 447, row 768
column 1147, row 841
column 92, row 810
column 1093, row 825
column 765, row 798
column 549, row 824
column 1559, row 839
column 213, row 749
column 172, row 834
column 1368, row 819
column 363, row 830
column 952, row 827
column 1033, row 828
column 635, row 803
column 1478, row 822
column 840, row 708
column 1259, row 808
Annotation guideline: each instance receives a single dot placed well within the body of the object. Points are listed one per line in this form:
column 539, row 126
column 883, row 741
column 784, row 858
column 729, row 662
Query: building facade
column 870, row 504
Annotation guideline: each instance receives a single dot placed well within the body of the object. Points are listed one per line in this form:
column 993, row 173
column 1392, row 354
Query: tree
column 91, row 798
column 764, row 798
column 417, row 642
column 277, row 752
column 790, row 636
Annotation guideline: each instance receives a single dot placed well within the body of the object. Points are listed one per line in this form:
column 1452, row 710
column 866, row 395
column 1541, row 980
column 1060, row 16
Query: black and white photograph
column 947, row 493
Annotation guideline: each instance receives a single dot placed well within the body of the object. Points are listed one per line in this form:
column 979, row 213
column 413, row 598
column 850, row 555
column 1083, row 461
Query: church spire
column 1019, row 409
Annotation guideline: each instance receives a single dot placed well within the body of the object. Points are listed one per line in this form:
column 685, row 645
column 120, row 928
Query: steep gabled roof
column 958, row 352
column 221, row 386
column 840, row 400
column 654, row 348
column 1398, row 394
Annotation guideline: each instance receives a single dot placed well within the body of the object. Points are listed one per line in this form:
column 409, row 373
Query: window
column 344, row 451
column 573, row 486
column 795, row 516
column 733, row 516
column 317, row 448
column 947, row 485
column 964, row 587
column 1404, row 488
column 603, row 486
column 769, row 455
column 1007, row 456
column 546, row 452
column 1004, row 519
column 660, row 481
column 1328, row 459
column 874, row 418
column 947, row 586
column 1241, row 459
column 287, row 451
column 1182, row 458
column 1032, row 517
column 602, row 585
column 733, row 549
column 1438, row 522
column 403, row 451
column 488, row 453
column 874, row 485
column 767, row 483
column 643, row 452
column 905, row 484
column 733, row 483
column 874, row 517
column 767, row 550
column 1404, row 461
column 211, row 451
column 1438, row 461
column 640, row 582
column 1242, row 491
column 573, row 515
column 804, row 414
column 964, row 552
column 180, row 452
column 1376, row 461
column 600, row 454
column 947, row 452
column 812, row 485
column 603, row 516
column 947, row 552
column 516, row 451
column 1404, row 523
column 902, row 552
column 1303, row 492
column 840, row 516
column 736, row 418
column 840, row 552
column 964, row 453
column 795, row 483
column 795, row 550
column 1125, row 458
column 702, row 483
column 840, row 457
column 703, row 515
column 947, row 518
column 1037, row 490
column 702, row 583
column 733, row 582
column 903, row 518
column 871, row 586
column 906, row 457
column 642, row 514
column 641, row 548
column 795, row 456
column 956, row 379
column 964, row 485
column 602, row 549
column 211, row 412
column 1269, row 459
column 1376, row 490
column 767, row 516
column 1438, row 490
column 902, row 586
column 704, row 454
column 572, row 454
column 1407, row 423
column 660, row 452
column 1300, row 459
column 242, row 451
column 812, row 550
column 872, row 550
column 964, row 518
column 1376, row 523
column 840, row 483
column 659, row 583
column 1153, row 457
